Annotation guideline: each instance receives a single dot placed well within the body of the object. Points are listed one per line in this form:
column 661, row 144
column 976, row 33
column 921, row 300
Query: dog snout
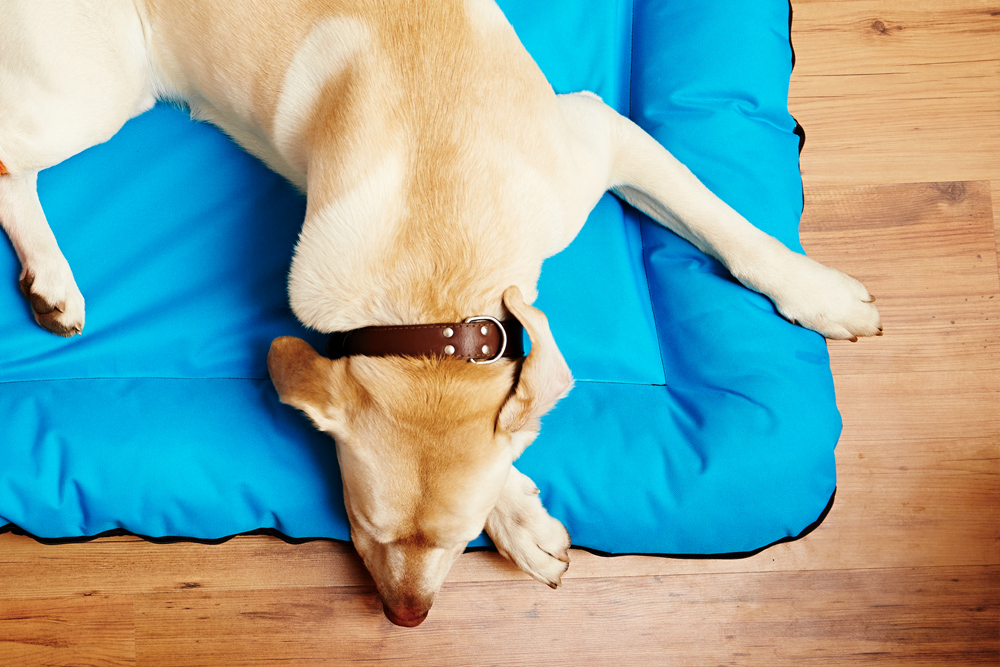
column 407, row 615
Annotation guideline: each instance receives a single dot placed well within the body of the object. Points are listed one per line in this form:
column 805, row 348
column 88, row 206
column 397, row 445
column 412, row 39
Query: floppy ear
column 305, row 380
column 545, row 378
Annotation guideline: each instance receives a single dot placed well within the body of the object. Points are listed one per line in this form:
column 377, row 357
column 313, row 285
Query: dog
column 440, row 170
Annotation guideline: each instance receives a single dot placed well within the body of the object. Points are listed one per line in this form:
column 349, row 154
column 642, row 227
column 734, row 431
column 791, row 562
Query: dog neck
column 402, row 233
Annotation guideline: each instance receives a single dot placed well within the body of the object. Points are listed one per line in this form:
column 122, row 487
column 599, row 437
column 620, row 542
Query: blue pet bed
column 703, row 423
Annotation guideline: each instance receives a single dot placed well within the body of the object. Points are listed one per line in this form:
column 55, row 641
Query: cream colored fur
column 440, row 170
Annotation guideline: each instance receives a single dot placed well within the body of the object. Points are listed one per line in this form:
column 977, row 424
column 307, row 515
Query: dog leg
column 528, row 535
column 46, row 279
column 646, row 175
column 72, row 72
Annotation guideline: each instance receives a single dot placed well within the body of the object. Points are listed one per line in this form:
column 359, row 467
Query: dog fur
column 440, row 170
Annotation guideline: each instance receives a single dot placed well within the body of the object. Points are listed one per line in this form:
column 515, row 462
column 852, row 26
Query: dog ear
column 544, row 379
column 308, row 381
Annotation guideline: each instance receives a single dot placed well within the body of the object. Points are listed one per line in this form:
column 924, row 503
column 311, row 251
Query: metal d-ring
column 503, row 338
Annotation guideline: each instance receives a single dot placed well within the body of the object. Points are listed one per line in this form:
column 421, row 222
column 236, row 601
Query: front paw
column 826, row 300
column 528, row 535
column 55, row 300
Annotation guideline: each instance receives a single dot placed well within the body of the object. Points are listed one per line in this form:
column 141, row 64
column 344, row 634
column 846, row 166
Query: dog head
column 425, row 447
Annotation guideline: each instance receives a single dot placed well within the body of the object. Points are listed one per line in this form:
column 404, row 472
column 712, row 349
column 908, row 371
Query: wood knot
column 954, row 191
column 881, row 28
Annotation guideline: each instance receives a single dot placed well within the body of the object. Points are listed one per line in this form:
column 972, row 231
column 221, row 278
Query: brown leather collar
column 481, row 340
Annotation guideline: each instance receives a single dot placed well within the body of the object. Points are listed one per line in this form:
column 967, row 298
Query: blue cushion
column 703, row 423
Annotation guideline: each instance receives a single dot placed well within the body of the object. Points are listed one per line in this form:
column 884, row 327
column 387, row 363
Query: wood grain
column 83, row 630
column 891, row 617
column 897, row 92
column 995, row 196
column 935, row 275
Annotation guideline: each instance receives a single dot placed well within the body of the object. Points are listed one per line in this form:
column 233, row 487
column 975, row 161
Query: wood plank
column 927, row 251
column 910, row 406
column 95, row 630
column 887, row 92
column 925, row 502
column 831, row 37
column 130, row 566
column 929, row 616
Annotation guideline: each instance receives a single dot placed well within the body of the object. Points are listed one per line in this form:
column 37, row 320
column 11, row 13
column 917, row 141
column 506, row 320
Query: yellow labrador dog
column 441, row 169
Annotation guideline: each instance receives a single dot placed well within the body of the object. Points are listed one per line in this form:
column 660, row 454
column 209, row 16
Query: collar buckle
column 503, row 337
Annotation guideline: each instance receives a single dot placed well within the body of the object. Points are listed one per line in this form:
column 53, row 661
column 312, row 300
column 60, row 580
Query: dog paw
column 56, row 301
column 528, row 535
column 826, row 300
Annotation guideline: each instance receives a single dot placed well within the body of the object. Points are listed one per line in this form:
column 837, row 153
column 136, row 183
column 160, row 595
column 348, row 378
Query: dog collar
column 481, row 340
column 3, row 169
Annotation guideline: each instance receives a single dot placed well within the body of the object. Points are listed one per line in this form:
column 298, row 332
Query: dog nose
column 407, row 617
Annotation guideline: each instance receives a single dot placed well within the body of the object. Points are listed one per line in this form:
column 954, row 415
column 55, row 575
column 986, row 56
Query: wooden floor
column 901, row 106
